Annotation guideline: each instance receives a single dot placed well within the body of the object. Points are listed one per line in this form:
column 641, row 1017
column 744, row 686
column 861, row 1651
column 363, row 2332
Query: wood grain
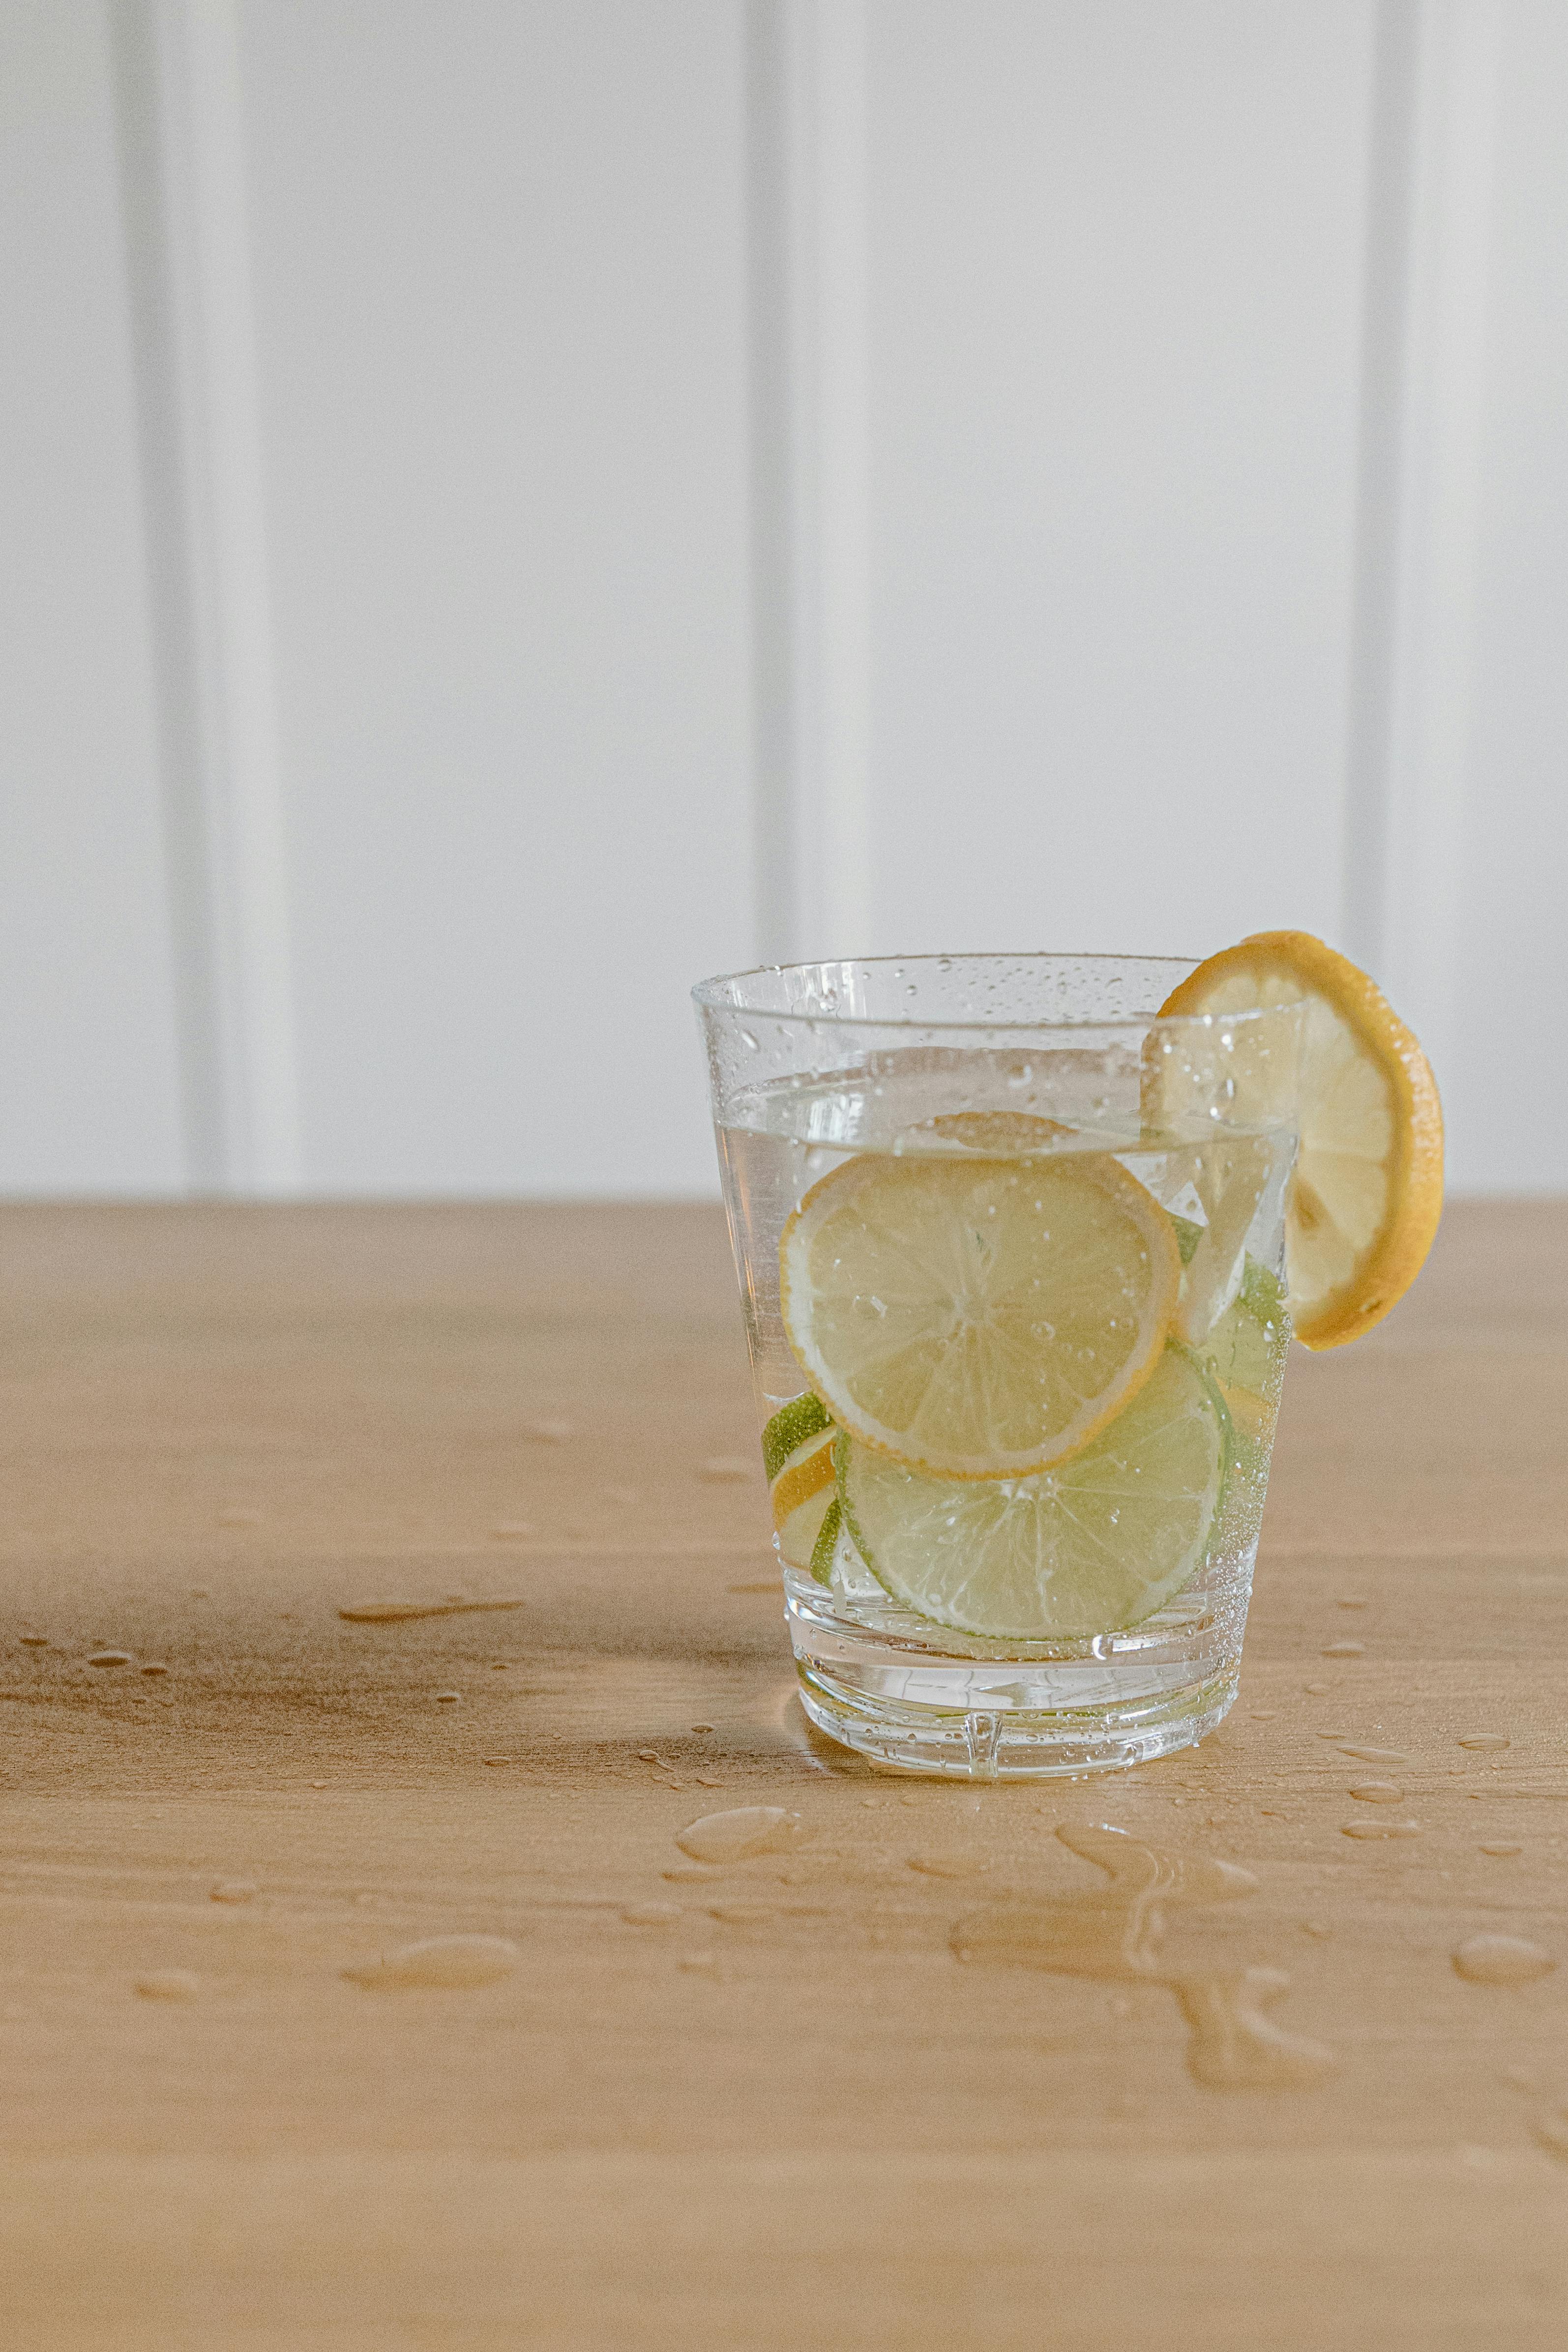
column 785, row 2114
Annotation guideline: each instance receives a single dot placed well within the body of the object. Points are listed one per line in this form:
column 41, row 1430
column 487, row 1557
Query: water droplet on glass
column 982, row 1738
column 746, row 1830
column 753, row 1043
column 234, row 1890
column 440, row 1963
column 169, row 1984
column 1502, row 1959
column 1483, row 1739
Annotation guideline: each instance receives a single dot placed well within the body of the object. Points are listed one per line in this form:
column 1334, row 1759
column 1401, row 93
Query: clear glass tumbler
column 1011, row 1256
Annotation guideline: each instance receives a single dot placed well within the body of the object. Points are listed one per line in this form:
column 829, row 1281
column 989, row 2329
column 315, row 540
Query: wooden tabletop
column 683, row 2104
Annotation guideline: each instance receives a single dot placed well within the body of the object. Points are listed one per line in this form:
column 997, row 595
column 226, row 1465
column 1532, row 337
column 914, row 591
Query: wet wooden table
column 763, row 2102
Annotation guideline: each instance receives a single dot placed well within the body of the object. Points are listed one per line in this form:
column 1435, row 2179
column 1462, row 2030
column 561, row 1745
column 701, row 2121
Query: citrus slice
column 1367, row 1191
column 797, row 1455
column 978, row 1319
column 998, row 1134
column 1096, row 1544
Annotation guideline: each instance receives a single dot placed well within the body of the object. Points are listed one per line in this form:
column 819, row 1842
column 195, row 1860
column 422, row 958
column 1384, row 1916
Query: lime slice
column 1245, row 1353
column 826, row 1544
column 978, row 1319
column 1096, row 1544
column 803, row 1417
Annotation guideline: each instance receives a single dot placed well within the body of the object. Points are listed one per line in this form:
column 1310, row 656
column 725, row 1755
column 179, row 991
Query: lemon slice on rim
column 978, row 1319
column 1367, row 1191
column 1096, row 1544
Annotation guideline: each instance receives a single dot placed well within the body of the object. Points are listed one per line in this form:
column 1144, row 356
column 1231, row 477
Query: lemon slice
column 1096, row 1544
column 977, row 1318
column 1367, row 1191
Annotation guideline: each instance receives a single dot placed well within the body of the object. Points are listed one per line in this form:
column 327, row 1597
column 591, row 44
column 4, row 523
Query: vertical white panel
column 1434, row 488
column 1115, row 262
column 807, row 104
column 89, row 1078
column 1506, row 1078
column 188, row 247
column 501, row 279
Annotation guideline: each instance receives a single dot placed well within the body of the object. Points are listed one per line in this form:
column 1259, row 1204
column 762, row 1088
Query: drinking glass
column 1011, row 1250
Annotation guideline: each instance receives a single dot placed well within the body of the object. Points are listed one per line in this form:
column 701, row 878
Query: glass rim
column 707, row 997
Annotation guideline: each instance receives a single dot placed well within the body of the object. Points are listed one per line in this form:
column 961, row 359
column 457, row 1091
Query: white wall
column 511, row 505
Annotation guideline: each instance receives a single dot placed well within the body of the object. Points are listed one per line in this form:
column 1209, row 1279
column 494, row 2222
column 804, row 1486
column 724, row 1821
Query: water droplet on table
column 233, row 1890
column 110, row 1658
column 1484, row 1739
column 156, row 1667
column 1376, row 1755
column 651, row 1914
column 448, row 1698
column 169, row 1984
column 1377, row 1792
column 1502, row 1959
column 1376, row 1829
column 495, row 1759
column 1117, row 1931
column 392, row 1612
column 1263, row 1713
column 743, row 1915
column 952, row 1863
column 440, row 1963
column 1352, row 1600
column 34, row 1640
column 1317, row 1690
column 746, row 1830
column 1498, row 1849
column 1345, row 1650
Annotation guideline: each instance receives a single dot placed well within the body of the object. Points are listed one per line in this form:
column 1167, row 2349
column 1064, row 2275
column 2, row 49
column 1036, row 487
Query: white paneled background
column 508, row 506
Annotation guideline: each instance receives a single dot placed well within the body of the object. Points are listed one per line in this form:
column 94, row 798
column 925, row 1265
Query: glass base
column 1014, row 1743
